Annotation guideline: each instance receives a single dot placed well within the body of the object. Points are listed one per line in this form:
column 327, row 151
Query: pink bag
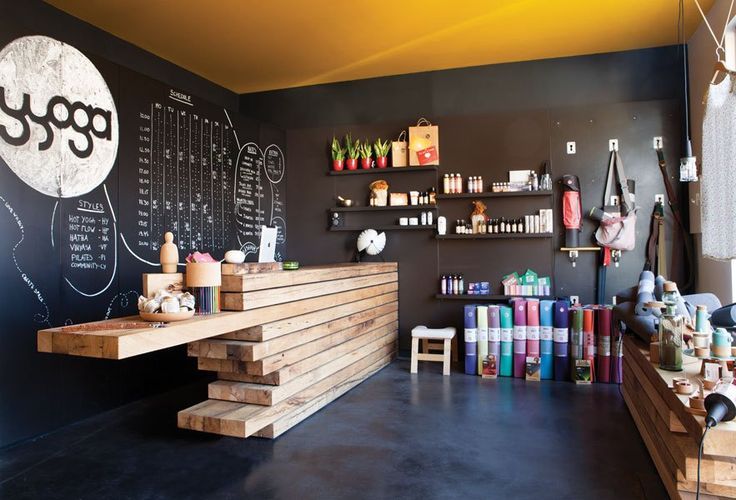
column 617, row 229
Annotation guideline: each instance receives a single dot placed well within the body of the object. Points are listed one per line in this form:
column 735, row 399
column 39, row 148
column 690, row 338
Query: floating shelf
column 387, row 170
column 381, row 209
column 395, row 227
column 500, row 236
column 489, row 194
column 465, row 296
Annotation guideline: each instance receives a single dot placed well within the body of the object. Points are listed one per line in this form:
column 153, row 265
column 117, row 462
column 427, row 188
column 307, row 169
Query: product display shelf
column 394, row 227
column 493, row 298
column 499, row 236
column 382, row 209
column 490, row 194
column 387, row 170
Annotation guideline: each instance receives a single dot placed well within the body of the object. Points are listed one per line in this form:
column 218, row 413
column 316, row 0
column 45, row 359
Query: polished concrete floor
column 394, row 436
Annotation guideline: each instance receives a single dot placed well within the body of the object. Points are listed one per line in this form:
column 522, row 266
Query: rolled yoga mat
column 546, row 344
column 481, row 313
column 617, row 353
column 725, row 316
column 644, row 294
column 576, row 338
column 507, row 340
column 494, row 333
column 561, row 335
column 589, row 346
column 519, row 338
column 532, row 328
column 471, row 340
column 603, row 364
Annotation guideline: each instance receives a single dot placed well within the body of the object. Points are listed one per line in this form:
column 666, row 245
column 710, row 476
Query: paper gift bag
column 399, row 148
column 424, row 144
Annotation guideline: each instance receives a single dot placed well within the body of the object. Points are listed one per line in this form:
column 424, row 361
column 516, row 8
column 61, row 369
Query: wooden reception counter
column 296, row 341
column 672, row 431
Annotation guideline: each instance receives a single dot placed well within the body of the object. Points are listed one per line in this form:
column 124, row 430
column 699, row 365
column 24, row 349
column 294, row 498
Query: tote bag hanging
column 617, row 229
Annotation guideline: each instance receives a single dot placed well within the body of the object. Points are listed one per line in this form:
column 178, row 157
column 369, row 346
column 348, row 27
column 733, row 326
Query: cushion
column 423, row 332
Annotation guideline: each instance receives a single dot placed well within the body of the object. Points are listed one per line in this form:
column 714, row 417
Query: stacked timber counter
column 299, row 340
column 672, row 431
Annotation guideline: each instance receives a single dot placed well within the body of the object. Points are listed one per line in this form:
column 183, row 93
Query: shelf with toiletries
column 487, row 297
column 499, row 236
column 491, row 194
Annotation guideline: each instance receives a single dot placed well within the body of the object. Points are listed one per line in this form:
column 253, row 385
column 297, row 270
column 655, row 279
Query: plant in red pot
column 351, row 150
column 338, row 155
column 381, row 150
column 365, row 151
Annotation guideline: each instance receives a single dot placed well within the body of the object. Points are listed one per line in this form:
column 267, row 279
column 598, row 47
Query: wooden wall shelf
column 387, row 170
column 394, row 227
column 382, row 209
column 489, row 194
column 500, row 236
column 490, row 298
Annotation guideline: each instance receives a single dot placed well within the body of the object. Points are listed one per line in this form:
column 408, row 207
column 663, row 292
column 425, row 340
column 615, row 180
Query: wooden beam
column 296, row 416
column 234, row 281
column 269, row 297
column 270, row 395
column 243, row 420
column 344, row 305
column 291, row 371
column 239, row 350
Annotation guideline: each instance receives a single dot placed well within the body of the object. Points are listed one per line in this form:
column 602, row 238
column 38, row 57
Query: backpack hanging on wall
column 617, row 229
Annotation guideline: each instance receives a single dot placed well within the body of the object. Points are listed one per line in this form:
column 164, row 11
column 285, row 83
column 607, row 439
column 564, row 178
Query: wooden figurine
column 478, row 218
column 169, row 255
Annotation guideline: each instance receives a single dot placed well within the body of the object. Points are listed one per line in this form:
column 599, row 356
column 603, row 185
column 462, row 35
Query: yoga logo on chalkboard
column 58, row 122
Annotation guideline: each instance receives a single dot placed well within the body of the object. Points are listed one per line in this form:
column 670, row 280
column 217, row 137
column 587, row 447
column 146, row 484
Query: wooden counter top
column 305, row 290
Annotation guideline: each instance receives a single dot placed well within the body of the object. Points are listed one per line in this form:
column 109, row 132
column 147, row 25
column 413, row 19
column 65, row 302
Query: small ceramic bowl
column 702, row 352
column 709, row 384
column 684, row 387
column 697, row 402
column 700, row 339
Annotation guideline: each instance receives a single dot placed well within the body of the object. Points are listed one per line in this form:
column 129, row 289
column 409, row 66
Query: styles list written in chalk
column 89, row 230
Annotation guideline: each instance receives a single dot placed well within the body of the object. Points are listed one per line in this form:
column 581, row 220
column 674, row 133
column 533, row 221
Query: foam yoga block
column 645, row 293
column 471, row 340
column 546, row 344
column 494, row 333
column 519, row 338
column 481, row 313
column 507, row 340
column 603, row 363
column 561, row 337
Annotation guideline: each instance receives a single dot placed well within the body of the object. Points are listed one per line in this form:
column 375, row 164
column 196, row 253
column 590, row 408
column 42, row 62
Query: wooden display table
column 672, row 432
column 299, row 340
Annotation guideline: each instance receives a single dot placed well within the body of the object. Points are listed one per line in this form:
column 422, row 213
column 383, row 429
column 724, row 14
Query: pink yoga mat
column 519, row 338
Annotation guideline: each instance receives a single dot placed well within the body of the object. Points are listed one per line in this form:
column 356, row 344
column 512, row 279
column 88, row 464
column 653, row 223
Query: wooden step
column 263, row 298
column 277, row 361
column 297, row 369
column 344, row 307
column 244, row 392
column 252, row 351
column 296, row 416
column 236, row 279
column 242, row 420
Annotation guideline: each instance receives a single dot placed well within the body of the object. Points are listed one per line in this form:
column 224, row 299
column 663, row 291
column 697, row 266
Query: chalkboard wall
column 491, row 119
column 199, row 169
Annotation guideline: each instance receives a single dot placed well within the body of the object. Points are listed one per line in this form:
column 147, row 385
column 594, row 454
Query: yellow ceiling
column 253, row 45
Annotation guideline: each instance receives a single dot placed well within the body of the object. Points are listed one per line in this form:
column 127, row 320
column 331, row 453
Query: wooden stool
column 422, row 332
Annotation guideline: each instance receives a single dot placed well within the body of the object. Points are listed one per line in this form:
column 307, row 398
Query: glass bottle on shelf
column 671, row 327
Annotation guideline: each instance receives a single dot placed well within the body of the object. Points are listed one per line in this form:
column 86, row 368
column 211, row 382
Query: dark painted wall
column 492, row 119
column 39, row 392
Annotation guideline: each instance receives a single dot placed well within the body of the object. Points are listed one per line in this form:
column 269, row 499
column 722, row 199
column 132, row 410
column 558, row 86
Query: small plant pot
column 351, row 164
column 365, row 163
column 381, row 161
column 337, row 165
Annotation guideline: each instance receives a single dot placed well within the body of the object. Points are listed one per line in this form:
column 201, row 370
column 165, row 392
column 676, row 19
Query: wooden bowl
column 702, row 352
column 697, row 402
column 683, row 388
column 709, row 385
column 166, row 317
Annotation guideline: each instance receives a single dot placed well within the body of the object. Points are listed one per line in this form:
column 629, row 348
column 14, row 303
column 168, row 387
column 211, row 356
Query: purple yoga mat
column 519, row 338
column 471, row 340
column 561, row 337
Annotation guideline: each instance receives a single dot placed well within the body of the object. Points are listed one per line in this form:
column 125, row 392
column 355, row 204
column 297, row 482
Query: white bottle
column 429, row 218
column 441, row 225
column 446, row 184
column 424, row 218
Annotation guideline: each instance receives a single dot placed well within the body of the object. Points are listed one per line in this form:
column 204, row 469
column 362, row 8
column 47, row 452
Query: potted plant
column 381, row 149
column 351, row 150
column 338, row 155
column 365, row 154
